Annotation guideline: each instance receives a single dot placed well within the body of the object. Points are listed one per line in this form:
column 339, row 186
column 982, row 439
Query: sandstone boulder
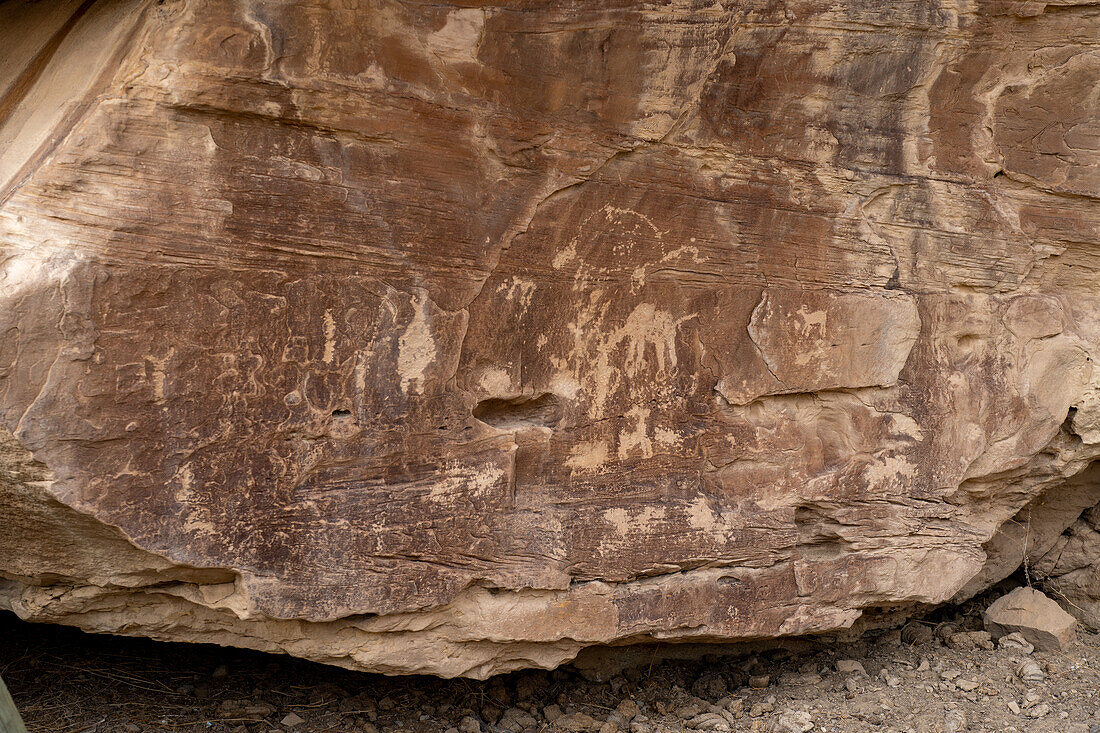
column 1028, row 612
column 455, row 338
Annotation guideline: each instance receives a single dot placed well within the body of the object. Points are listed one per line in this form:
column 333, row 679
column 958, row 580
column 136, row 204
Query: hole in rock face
column 519, row 413
column 1067, row 424
column 968, row 342
column 342, row 424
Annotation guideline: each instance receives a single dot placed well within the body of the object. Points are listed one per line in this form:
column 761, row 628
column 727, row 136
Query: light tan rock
column 627, row 708
column 1031, row 614
column 850, row 666
column 292, row 720
column 1015, row 640
column 577, row 723
column 431, row 338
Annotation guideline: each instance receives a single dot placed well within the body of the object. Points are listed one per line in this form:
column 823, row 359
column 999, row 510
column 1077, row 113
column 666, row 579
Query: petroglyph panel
column 456, row 338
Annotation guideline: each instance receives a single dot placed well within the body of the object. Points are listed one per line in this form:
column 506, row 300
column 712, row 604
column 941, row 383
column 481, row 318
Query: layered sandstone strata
column 457, row 337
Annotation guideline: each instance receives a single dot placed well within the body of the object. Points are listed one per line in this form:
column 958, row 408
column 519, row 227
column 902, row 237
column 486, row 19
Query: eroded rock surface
column 456, row 338
column 1071, row 568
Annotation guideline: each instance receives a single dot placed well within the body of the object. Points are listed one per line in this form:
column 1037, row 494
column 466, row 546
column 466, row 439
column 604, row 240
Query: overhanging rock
column 455, row 338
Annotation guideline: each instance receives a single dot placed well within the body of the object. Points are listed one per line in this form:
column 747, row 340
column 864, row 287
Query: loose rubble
column 956, row 679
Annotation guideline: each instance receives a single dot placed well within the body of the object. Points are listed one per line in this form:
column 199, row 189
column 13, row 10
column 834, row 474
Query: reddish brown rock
column 456, row 338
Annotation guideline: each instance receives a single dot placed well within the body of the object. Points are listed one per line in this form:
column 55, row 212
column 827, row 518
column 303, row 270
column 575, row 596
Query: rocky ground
column 939, row 673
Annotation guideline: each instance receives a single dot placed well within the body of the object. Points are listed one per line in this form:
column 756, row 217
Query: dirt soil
column 924, row 677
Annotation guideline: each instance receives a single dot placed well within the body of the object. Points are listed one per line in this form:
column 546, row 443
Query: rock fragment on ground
column 850, row 666
column 1030, row 672
column 292, row 720
column 793, row 722
column 1034, row 616
column 1015, row 640
column 577, row 723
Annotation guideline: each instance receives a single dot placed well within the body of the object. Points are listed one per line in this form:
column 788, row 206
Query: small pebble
column 627, row 708
column 759, row 681
column 577, row 723
column 850, row 666
column 709, row 721
column 1030, row 672
column 1016, row 642
column 1039, row 711
column 292, row 719
column 794, row 722
column 955, row 722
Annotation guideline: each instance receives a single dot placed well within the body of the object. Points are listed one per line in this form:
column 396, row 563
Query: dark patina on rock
column 456, row 338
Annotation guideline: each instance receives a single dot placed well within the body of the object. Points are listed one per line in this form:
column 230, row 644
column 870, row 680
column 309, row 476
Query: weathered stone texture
column 457, row 337
column 1030, row 614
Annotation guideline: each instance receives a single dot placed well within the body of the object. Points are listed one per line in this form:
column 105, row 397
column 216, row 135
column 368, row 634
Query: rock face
column 1071, row 568
column 457, row 337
